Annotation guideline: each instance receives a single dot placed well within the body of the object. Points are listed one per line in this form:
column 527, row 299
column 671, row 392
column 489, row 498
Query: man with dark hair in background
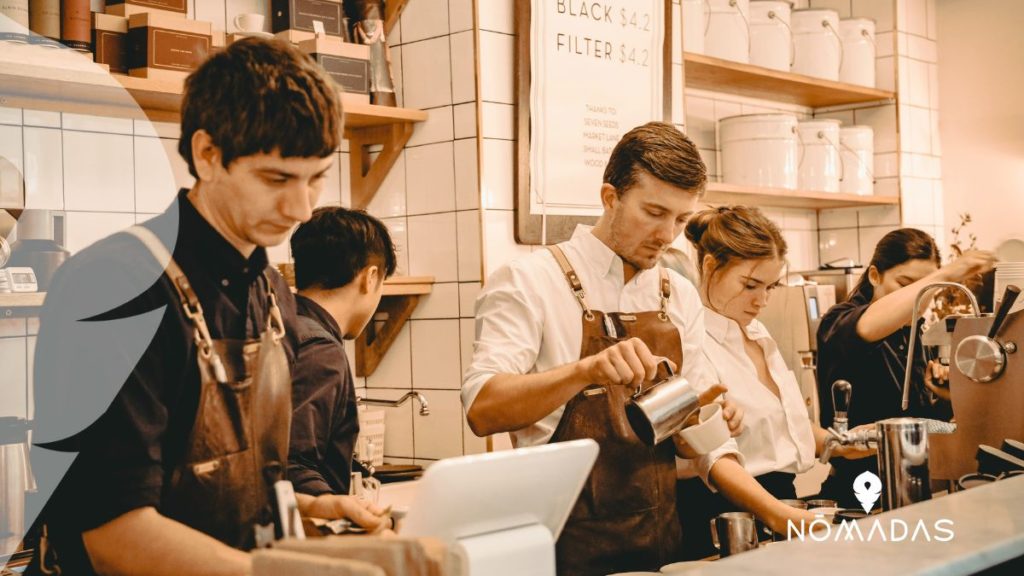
column 164, row 353
column 342, row 258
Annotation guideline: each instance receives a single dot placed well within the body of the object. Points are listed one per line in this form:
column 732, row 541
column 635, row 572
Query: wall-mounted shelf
column 21, row 305
column 708, row 73
column 721, row 193
column 401, row 295
column 28, row 82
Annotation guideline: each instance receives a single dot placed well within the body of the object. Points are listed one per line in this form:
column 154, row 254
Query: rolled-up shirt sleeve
column 508, row 334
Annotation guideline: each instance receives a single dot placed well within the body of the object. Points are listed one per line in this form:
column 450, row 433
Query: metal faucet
column 915, row 316
column 902, row 445
column 424, row 406
column 839, row 434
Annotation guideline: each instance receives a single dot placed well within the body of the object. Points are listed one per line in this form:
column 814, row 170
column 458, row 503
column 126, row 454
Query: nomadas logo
column 868, row 489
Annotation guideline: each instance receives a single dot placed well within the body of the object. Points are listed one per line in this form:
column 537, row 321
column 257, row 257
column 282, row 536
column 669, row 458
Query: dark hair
column 258, row 96
column 895, row 248
column 336, row 244
column 660, row 150
column 730, row 233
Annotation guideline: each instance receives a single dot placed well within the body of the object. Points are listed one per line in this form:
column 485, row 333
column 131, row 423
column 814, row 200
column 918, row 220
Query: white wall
column 109, row 173
column 982, row 120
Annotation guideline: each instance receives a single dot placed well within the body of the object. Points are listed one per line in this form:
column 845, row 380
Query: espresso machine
column 986, row 384
column 902, row 445
column 792, row 317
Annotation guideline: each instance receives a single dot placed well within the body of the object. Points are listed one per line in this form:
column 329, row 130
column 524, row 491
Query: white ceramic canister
column 728, row 32
column 771, row 40
column 760, row 150
column 858, row 35
column 695, row 23
column 818, row 51
column 857, row 153
column 820, row 167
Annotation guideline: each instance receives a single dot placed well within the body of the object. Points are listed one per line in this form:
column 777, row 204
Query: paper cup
column 710, row 433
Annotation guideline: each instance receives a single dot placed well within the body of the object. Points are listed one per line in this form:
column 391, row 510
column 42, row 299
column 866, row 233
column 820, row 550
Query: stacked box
column 110, row 41
column 126, row 8
column 348, row 64
column 166, row 46
column 292, row 20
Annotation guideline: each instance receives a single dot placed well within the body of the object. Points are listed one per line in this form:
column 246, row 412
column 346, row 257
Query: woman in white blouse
column 741, row 258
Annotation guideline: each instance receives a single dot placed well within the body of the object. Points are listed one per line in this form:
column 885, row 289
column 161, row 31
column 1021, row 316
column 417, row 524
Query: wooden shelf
column 408, row 285
column 392, row 11
column 401, row 296
column 21, row 305
column 721, row 193
column 53, row 80
column 719, row 75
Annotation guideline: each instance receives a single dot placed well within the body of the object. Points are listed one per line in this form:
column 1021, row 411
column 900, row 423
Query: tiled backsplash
column 451, row 215
column 109, row 173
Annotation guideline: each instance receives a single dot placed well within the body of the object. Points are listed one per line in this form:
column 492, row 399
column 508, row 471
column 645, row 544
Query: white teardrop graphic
column 867, row 488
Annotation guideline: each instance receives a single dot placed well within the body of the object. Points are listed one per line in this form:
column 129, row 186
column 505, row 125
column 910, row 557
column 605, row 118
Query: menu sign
column 597, row 71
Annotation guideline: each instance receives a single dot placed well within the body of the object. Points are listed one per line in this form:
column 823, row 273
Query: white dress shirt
column 777, row 434
column 527, row 319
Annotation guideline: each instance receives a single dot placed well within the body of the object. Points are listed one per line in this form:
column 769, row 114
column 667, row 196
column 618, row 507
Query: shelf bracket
column 367, row 173
column 375, row 340
column 392, row 12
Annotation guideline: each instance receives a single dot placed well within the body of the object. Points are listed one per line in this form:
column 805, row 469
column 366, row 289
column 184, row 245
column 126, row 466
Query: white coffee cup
column 249, row 22
column 711, row 432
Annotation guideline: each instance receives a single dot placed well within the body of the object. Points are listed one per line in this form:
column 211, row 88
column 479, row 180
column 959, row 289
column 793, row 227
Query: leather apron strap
column 581, row 295
column 239, row 440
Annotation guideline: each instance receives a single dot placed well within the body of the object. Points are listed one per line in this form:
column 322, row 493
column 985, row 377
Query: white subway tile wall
column 109, row 173
column 450, row 219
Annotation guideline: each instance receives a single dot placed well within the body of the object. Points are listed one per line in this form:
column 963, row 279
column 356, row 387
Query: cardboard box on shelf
column 110, row 41
column 348, row 64
column 163, row 46
column 128, row 7
column 294, row 18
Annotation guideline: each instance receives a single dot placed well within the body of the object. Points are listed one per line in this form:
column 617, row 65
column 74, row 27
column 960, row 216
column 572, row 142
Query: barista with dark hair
column 864, row 340
column 341, row 260
column 164, row 353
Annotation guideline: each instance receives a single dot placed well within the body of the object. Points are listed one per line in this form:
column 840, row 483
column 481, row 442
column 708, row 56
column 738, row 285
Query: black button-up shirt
column 325, row 421
column 874, row 369
column 134, row 386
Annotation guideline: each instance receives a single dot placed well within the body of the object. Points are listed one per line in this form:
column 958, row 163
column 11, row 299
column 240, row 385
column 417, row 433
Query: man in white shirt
column 565, row 335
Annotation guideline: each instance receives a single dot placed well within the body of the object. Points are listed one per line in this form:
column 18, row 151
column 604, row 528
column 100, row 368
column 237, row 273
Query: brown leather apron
column 625, row 518
column 238, row 446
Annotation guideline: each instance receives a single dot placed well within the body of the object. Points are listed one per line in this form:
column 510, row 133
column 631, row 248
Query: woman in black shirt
column 864, row 340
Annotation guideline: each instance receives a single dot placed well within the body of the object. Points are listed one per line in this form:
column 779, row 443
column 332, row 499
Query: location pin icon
column 867, row 488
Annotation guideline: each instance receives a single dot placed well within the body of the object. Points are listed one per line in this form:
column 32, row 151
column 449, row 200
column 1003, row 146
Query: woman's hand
column 970, row 263
column 732, row 414
column 934, row 373
column 855, row 452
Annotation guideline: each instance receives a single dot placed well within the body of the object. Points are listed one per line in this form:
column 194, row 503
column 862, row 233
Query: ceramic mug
column 249, row 22
column 710, row 433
